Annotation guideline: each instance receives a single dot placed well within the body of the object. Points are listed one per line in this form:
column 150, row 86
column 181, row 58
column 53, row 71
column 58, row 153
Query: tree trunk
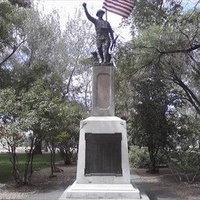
column 38, row 147
column 28, row 171
column 153, row 155
column 15, row 171
column 67, row 158
column 53, row 161
column 52, row 165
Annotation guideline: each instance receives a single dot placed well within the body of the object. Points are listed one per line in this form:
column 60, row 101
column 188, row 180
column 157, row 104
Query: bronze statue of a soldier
column 103, row 34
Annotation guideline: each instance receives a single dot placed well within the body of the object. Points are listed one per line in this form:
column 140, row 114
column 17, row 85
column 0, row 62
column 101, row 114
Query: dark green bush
column 184, row 164
column 139, row 157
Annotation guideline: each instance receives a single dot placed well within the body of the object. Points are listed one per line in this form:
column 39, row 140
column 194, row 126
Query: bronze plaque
column 103, row 154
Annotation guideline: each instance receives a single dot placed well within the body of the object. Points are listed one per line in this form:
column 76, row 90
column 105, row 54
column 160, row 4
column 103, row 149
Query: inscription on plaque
column 103, row 90
column 103, row 154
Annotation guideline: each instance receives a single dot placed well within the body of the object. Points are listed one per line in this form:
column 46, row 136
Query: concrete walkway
column 47, row 195
column 148, row 191
column 153, row 192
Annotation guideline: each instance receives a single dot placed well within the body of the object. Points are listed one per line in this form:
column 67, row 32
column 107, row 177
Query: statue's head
column 100, row 13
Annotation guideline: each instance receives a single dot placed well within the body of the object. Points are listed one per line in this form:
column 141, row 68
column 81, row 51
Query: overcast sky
column 66, row 7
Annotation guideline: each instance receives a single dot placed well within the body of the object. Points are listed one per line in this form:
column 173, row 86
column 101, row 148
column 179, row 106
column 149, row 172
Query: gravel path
column 7, row 195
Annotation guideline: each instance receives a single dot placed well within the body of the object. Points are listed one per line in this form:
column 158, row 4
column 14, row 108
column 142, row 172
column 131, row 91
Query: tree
column 78, row 40
column 21, row 3
column 11, row 38
column 34, row 61
column 41, row 114
column 167, row 38
column 64, row 131
column 183, row 157
column 154, row 12
column 153, row 129
column 13, row 133
column 43, row 87
column 173, row 43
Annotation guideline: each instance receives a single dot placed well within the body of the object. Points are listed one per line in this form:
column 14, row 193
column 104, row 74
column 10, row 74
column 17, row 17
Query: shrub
column 184, row 164
column 139, row 157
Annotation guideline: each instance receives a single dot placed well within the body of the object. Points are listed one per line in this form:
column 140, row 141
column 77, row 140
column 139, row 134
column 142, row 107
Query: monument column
column 103, row 91
column 103, row 170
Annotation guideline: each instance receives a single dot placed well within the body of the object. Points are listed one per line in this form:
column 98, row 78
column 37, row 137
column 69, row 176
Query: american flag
column 119, row 7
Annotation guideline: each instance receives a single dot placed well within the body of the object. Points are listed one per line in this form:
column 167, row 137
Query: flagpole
column 106, row 15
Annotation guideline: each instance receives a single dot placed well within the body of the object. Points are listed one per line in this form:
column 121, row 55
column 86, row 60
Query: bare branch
column 14, row 50
column 145, row 47
column 192, row 48
column 191, row 96
column 194, row 68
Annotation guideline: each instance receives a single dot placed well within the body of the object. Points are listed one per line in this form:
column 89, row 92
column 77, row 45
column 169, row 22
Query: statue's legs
column 103, row 49
column 100, row 50
column 106, row 51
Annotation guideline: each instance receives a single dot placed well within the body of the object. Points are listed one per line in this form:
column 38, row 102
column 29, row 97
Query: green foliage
column 11, row 38
column 185, row 161
column 41, row 111
column 156, row 74
column 153, row 129
column 184, row 164
column 11, row 20
column 42, row 78
column 40, row 161
column 21, row 3
column 155, row 12
column 138, row 157
column 39, row 90
column 184, row 153
column 67, row 139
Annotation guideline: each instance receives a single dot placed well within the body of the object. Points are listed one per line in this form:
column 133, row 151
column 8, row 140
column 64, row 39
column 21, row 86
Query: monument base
column 100, row 191
column 103, row 170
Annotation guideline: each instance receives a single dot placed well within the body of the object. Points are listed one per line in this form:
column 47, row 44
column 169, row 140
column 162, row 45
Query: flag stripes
column 120, row 7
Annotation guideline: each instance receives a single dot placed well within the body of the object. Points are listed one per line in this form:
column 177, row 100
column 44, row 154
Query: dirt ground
column 43, row 180
column 166, row 179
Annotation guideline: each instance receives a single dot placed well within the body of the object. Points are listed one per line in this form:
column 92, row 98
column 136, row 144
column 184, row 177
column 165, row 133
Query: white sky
column 66, row 7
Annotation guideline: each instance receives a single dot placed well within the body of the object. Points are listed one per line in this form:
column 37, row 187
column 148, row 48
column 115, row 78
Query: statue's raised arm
column 92, row 19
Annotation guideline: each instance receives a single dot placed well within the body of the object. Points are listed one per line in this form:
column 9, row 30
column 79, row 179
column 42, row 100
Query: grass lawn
column 39, row 162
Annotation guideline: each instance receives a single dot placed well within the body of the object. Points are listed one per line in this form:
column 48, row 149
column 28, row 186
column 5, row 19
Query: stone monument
column 103, row 170
column 103, row 167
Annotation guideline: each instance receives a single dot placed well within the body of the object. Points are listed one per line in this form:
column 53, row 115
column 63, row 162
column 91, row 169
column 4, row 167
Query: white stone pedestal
column 103, row 125
column 100, row 191
column 102, row 186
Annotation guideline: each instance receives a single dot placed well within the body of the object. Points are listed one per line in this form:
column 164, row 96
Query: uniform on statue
column 104, row 35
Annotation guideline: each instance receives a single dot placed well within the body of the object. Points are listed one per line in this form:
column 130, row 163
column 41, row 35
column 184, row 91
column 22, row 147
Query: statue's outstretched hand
column 84, row 5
